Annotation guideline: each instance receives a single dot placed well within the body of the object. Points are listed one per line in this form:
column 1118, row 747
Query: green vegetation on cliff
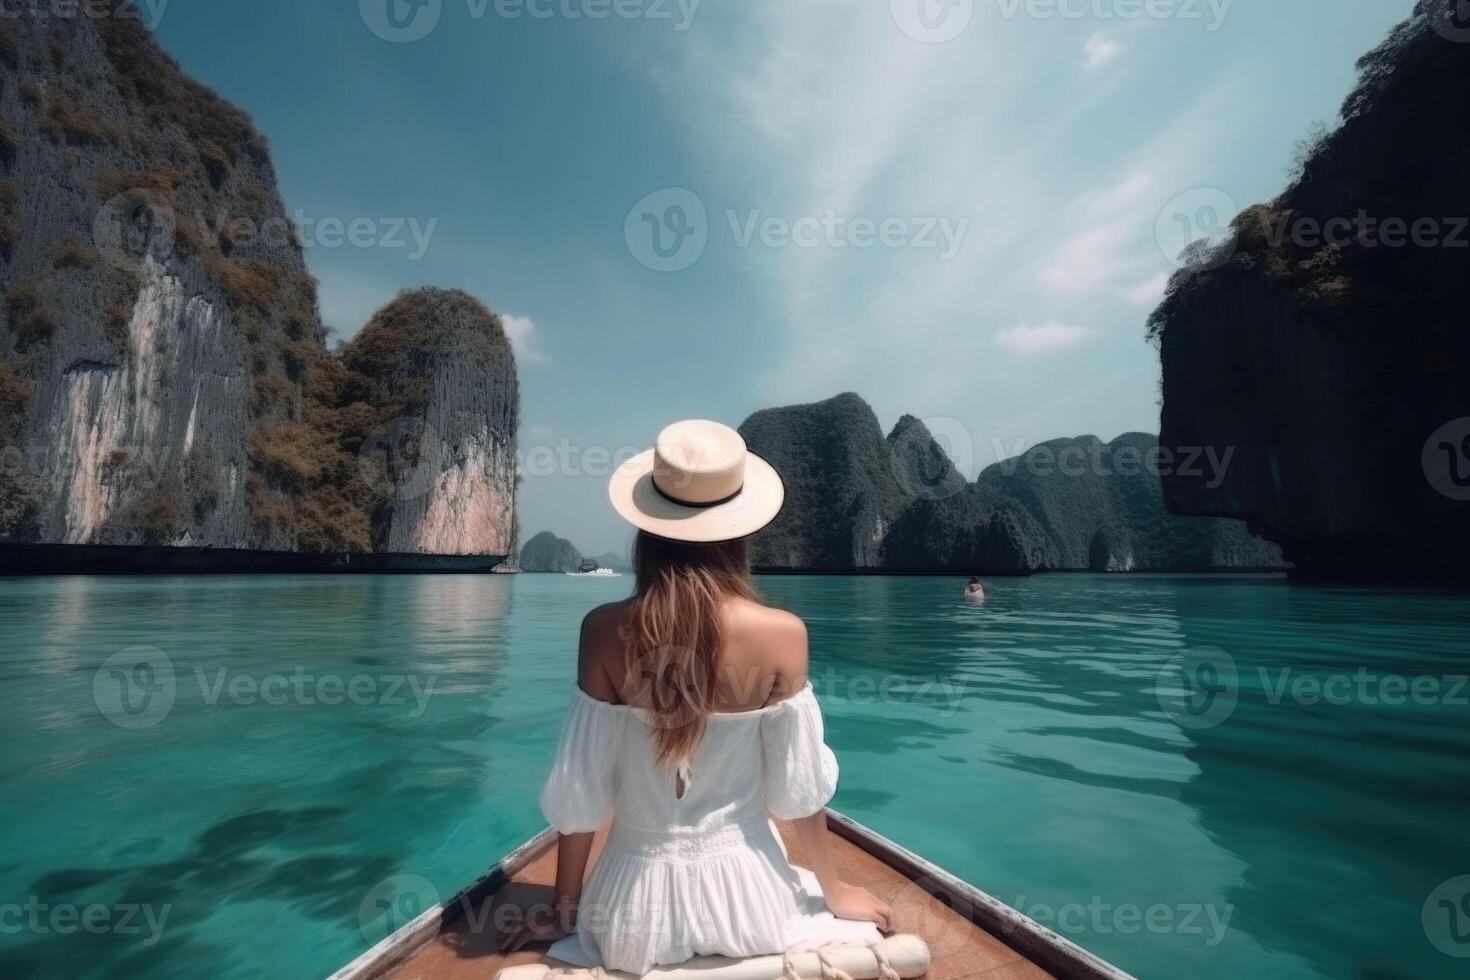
column 1324, row 342
column 856, row 500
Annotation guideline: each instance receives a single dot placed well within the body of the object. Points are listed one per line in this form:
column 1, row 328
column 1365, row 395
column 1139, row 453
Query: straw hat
column 697, row 483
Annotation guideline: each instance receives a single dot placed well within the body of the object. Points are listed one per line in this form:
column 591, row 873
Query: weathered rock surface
column 164, row 377
column 1330, row 367
column 1100, row 506
column 447, row 457
column 899, row 504
column 548, row 553
column 842, row 491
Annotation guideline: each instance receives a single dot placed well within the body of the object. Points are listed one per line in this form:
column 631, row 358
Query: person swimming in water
column 974, row 590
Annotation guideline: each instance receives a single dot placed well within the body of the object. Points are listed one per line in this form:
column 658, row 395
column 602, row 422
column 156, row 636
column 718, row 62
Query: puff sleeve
column 801, row 771
column 578, row 794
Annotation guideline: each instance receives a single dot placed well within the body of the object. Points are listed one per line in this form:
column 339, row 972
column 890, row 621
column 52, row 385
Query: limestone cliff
column 859, row 501
column 1100, row 506
column 842, row 492
column 546, row 552
column 164, row 377
column 447, row 456
column 1324, row 341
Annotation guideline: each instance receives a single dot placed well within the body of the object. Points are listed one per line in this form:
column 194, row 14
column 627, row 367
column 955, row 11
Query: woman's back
column 761, row 668
column 691, row 727
column 763, row 660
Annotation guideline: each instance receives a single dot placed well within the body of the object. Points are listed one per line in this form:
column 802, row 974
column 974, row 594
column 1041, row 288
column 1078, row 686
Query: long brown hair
column 674, row 630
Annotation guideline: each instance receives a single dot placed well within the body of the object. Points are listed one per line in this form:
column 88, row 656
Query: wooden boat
column 970, row 934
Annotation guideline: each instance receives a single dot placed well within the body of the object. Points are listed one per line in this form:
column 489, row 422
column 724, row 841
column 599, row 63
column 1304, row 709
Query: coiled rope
column 830, row 970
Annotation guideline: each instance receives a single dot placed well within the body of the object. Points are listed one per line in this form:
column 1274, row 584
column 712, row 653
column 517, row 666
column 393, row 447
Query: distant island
column 545, row 552
column 1325, row 340
column 165, row 372
column 860, row 501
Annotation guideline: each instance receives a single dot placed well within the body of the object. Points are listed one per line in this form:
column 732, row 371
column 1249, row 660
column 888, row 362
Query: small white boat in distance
column 590, row 567
column 597, row 573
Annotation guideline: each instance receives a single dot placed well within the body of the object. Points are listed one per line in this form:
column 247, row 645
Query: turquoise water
column 253, row 777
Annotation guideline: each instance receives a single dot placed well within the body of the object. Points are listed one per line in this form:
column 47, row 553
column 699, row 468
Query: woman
column 693, row 724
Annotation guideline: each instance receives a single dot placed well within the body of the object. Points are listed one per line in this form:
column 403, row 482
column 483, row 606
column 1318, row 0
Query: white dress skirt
column 701, row 874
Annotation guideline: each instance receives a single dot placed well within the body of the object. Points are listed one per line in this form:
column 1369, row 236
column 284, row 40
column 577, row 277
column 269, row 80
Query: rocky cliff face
column 842, row 491
column 548, row 553
column 164, row 377
column 1100, row 506
column 1334, row 367
column 857, row 500
column 446, row 458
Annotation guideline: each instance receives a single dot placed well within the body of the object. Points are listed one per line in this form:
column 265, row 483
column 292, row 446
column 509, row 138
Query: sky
column 963, row 210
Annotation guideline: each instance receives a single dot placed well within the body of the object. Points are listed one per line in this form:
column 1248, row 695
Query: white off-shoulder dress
column 701, row 874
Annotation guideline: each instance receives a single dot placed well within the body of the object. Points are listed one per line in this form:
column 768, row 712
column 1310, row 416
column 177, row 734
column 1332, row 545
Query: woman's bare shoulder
column 599, row 651
column 775, row 638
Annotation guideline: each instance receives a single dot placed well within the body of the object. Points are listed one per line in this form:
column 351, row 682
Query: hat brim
column 638, row 502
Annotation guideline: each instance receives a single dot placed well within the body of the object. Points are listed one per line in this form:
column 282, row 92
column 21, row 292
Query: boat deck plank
column 960, row 948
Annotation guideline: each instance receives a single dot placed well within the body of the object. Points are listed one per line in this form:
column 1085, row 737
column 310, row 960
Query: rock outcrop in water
column 857, row 501
column 164, row 376
column 1325, row 342
column 1099, row 505
column 548, row 553
column 448, row 454
column 841, row 489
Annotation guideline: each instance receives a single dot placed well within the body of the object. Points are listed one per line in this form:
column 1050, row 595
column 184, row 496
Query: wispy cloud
column 1114, row 246
column 1041, row 339
column 812, row 111
column 524, row 339
column 1148, row 292
column 1099, row 51
column 1088, row 260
